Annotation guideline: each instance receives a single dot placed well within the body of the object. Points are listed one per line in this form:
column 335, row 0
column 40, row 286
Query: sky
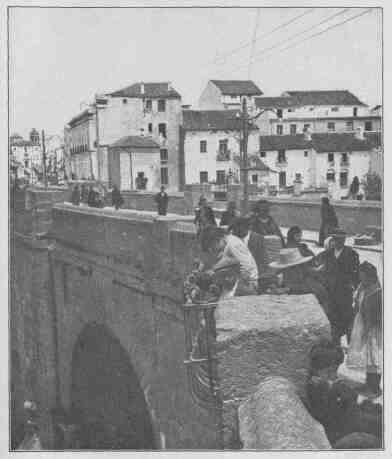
column 59, row 58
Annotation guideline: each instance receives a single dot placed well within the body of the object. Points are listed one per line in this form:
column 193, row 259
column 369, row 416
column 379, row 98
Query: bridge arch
column 107, row 401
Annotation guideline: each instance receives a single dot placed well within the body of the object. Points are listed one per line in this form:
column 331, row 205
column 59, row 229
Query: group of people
column 349, row 292
column 91, row 195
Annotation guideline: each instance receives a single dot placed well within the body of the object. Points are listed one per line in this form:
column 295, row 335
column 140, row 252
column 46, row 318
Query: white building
column 320, row 160
column 26, row 156
column 143, row 109
column 228, row 94
column 320, row 111
column 211, row 146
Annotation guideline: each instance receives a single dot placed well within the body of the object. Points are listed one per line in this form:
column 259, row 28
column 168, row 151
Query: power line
column 257, row 38
column 252, row 49
column 276, row 45
column 320, row 33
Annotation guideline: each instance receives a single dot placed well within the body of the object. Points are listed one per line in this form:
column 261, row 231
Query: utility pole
column 244, row 165
column 253, row 46
column 44, row 160
column 97, row 136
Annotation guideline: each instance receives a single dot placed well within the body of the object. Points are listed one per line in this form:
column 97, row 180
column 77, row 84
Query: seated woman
column 294, row 237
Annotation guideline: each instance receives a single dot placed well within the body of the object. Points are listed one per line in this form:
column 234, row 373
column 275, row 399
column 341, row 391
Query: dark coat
column 162, row 200
column 75, row 198
column 117, row 199
column 265, row 228
column 227, row 218
column 329, row 221
column 257, row 249
column 342, row 277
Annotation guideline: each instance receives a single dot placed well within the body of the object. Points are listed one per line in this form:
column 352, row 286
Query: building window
column 161, row 105
column 25, row 149
column 263, row 154
column 125, row 101
column 334, row 109
column 293, row 129
column 355, row 111
column 311, row 109
column 279, row 129
column 281, row 156
column 330, row 176
column 279, row 113
column 282, row 179
column 343, row 179
column 148, row 105
column 204, row 177
column 164, row 155
column 164, row 176
column 220, row 177
column 223, row 146
column 233, row 97
column 306, row 127
column 291, row 110
column 368, row 126
column 331, row 157
column 344, row 157
column 162, row 129
column 203, row 146
column 331, row 127
column 255, row 178
column 150, row 128
column 306, row 153
column 349, row 126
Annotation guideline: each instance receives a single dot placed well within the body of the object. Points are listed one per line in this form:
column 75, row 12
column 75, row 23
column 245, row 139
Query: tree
column 372, row 185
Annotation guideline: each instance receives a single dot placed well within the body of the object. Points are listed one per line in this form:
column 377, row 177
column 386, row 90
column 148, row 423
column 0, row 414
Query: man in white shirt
column 233, row 251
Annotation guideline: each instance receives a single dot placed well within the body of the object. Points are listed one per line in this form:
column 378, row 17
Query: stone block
column 274, row 418
column 267, row 335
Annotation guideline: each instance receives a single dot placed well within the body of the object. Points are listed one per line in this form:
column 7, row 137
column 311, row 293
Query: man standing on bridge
column 162, row 200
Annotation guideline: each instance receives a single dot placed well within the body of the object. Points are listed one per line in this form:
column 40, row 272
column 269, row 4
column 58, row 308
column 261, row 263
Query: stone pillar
column 274, row 418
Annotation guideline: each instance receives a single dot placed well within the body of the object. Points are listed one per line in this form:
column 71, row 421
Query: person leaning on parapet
column 117, row 199
column 255, row 244
column 329, row 220
column 162, row 201
column 204, row 215
column 232, row 251
column 261, row 221
column 75, row 197
column 229, row 214
column 341, row 270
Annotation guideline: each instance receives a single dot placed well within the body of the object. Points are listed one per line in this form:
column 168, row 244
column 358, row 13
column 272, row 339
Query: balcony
column 223, row 155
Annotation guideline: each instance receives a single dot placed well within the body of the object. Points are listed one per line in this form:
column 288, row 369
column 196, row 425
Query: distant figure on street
column 328, row 220
column 75, row 197
column 341, row 269
column 229, row 214
column 162, row 200
column 294, row 236
column 84, row 193
column 354, row 188
column 261, row 221
column 366, row 336
column 204, row 215
column 93, row 199
column 117, row 199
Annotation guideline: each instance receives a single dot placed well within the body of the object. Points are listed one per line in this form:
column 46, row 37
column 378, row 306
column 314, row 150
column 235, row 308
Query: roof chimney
column 359, row 133
column 308, row 134
column 142, row 88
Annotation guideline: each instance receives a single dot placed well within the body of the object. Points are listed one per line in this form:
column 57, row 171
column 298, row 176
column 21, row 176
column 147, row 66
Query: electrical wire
column 286, row 40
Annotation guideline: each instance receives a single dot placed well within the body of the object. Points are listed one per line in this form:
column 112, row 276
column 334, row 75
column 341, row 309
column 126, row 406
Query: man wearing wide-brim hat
column 261, row 221
column 341, row 268
column 297, row 276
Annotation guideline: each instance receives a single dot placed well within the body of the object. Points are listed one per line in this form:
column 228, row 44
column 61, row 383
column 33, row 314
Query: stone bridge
column 97, row 333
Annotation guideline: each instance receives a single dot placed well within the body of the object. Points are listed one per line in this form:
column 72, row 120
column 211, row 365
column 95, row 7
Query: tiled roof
column 340, row 97
column 255, row 163
column 212, row 120
column 151, row 90
column 321, row 142
column 238, row 87
column 274, row 102
column 135, row 141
